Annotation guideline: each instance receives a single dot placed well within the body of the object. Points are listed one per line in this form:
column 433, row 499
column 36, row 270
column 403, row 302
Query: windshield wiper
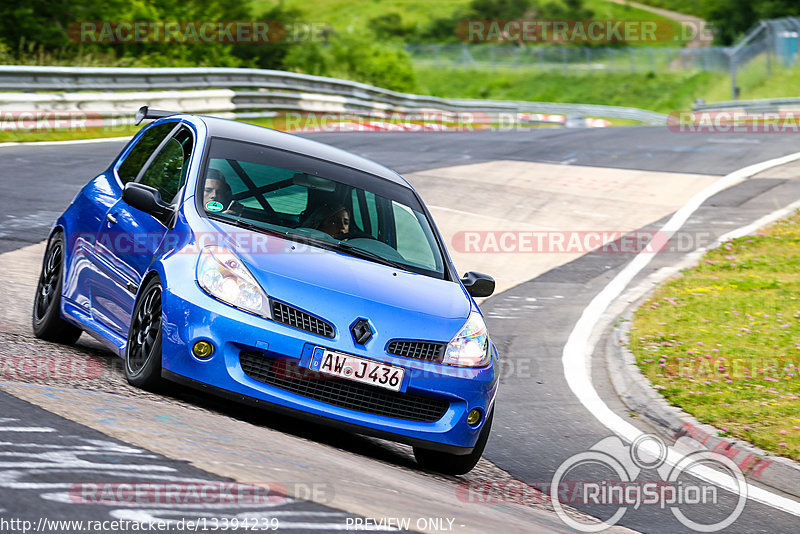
column 343, row 246
column 243, row 223
column 303, row 238
column 366, row 254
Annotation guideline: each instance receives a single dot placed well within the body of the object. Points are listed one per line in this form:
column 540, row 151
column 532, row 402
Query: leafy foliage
column 38, row 31
column 442, row 29
column 730, row 19
column 358, row 58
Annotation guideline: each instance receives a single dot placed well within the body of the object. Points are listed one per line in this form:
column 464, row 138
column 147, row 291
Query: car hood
column 341, row 288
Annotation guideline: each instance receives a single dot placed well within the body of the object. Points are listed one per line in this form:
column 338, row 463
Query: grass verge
column 66, row 134
column 658, row 92
column 356, row 15
column 722, row 342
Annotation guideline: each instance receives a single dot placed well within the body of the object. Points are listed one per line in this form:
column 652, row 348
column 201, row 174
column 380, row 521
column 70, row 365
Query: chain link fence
column 771, row 42
column 569, row 59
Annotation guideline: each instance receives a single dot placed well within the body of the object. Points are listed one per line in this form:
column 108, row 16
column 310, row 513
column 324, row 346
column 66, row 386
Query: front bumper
column 192, row 316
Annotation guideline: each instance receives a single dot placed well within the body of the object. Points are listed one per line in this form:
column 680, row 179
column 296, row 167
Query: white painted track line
column 578, row 348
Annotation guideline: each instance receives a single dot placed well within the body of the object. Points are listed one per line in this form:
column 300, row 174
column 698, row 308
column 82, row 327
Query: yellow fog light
column 203, row 349
column 474, row 417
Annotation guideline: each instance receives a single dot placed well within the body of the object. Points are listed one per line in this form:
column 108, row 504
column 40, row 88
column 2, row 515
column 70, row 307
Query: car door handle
column 110, row 218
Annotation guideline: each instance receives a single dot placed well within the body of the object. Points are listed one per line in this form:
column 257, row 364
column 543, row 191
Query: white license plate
column 358, row 369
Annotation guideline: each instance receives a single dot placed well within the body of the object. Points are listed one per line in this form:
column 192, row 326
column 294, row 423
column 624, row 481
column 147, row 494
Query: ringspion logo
column 675, row 489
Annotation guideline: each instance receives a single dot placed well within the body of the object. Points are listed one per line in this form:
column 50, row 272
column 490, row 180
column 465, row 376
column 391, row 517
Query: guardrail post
column 734, row 88
column 770, row 47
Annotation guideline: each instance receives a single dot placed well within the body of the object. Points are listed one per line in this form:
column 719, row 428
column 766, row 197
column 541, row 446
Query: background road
column 539, row 422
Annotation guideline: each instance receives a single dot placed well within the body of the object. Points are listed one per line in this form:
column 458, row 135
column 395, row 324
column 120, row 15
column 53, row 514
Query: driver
column 333, row 219
column 217, row 189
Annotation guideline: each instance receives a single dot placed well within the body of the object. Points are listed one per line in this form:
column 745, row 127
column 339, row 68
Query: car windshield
column 319, row 203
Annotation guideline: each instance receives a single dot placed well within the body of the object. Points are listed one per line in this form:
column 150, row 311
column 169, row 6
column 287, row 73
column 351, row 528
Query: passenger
column 334, row 220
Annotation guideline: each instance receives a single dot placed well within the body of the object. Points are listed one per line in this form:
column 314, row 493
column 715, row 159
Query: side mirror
column 478, row 284
column 147, row 199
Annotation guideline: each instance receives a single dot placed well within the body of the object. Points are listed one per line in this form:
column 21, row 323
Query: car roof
column 240, row 131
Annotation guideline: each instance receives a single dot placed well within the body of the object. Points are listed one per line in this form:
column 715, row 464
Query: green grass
column 723, row 341
column 690, row 7
column 66, row 134
column 605, row 10
column 657, row 92
column 354, row 15
column 754, row 82
column 665, row 92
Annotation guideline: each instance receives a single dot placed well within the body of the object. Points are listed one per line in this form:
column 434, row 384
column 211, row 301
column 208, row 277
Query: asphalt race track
column 539, row 422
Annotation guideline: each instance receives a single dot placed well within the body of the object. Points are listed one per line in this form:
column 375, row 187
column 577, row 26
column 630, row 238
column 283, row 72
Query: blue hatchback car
column 280, row 272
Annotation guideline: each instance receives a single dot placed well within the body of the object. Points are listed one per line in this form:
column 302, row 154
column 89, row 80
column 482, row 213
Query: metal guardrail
column 250, row 91
column 592, row 110
column 754, row 106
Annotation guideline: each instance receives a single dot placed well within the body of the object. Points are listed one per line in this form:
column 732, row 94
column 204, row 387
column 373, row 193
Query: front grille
column 348, row 394
column 421, row 350
column 288, row 315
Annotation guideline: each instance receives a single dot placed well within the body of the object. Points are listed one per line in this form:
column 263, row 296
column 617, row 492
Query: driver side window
column 167, row 171
column 130, row 168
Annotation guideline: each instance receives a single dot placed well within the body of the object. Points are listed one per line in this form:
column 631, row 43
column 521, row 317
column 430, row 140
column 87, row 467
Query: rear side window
column 141, row 152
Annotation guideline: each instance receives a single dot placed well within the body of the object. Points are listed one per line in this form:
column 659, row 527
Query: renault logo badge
column 361, row 331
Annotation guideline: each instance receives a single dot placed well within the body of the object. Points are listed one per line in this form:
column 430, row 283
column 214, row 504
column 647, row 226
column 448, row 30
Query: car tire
column 454, row 464
column 143, row 348
column 46, row 314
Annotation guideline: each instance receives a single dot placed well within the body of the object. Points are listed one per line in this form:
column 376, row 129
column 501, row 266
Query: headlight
column 470, row 347
column 223, row 276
